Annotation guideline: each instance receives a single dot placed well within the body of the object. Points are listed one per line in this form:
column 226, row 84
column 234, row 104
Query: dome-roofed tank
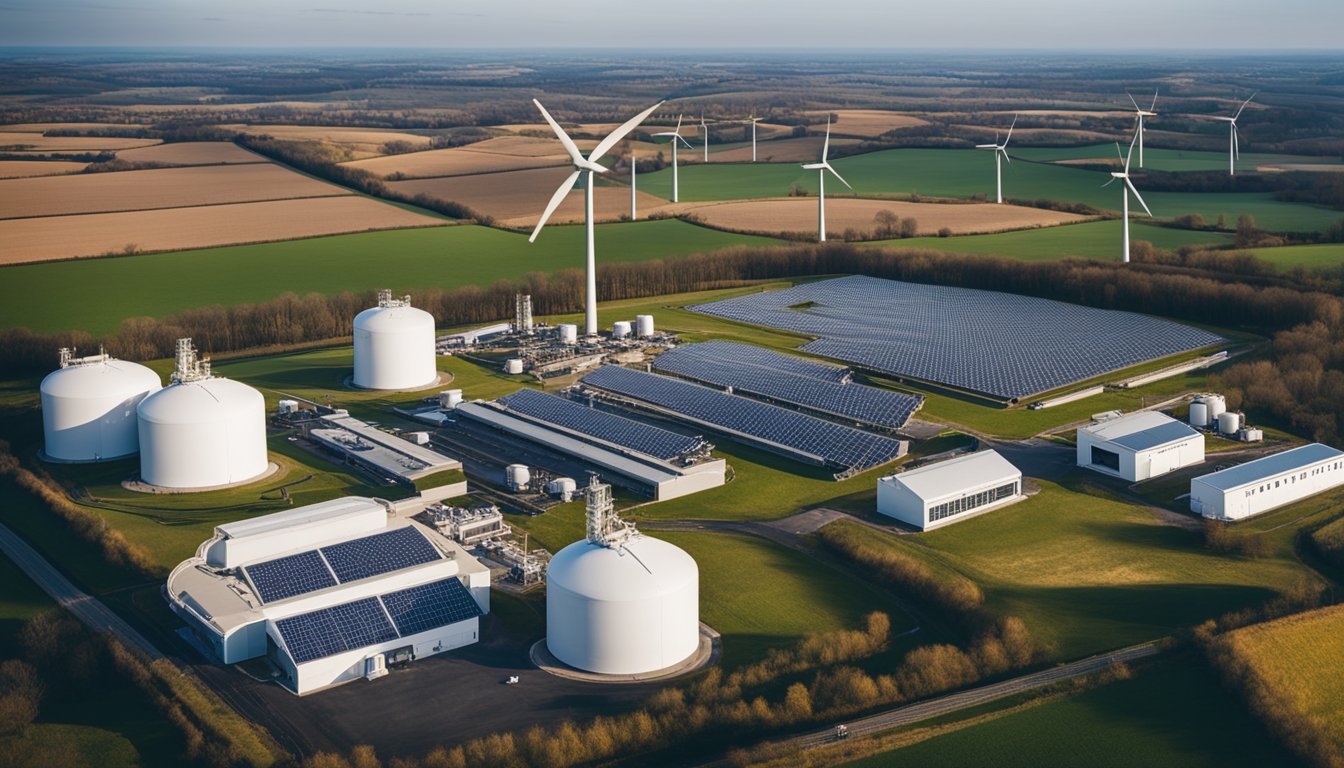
column 394, row 345
column 618, row 602
column 88, row 407
column 201, row 431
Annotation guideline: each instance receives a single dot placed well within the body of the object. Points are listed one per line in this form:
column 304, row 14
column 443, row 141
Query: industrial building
column 330, row 592
column 949, row 491
column 1139, row 446
column 201, row 431
column 388, row 457
column 1267, row 483
column 619, row 602
column 88, row 407
column 394, row 345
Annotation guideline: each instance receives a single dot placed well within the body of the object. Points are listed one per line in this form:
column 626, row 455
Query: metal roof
column 394, row 454
column 324, row 512
column 1269, row 466
column 944, row 478
column 1141, row 431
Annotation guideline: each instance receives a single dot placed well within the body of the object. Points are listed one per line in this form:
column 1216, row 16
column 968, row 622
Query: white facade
column 628, row 609
column 394, row 347
column 1267, row 483
column 1139, row 446
column 201, row 434
column 949, row 491
column 88, row 409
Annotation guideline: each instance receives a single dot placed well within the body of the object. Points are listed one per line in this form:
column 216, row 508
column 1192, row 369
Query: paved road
column 86, row 608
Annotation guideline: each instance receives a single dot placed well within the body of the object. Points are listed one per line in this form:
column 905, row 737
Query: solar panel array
column 765, row 373
column 850, row 449
column 328, row 631
column 635, row 435
column 379, row 554
column 427, row 606
column 361, row 558
column 769, row 360
column 999, row 344
column 289, row 576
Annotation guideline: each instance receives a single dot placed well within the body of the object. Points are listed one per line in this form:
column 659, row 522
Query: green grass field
column 97, row 294
column 1088, row 240
column 1160, row 159
column 1309, row 256
column 1173, row 713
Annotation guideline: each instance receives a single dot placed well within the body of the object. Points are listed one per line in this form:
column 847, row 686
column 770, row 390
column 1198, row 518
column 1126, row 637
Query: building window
column 1104, row 458
column 974, row 501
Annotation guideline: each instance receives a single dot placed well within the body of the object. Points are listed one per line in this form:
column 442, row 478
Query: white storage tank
column 287, row 406
column 1217, row 407
column 88, row 407
column 394, row 345
column 513, row 365
column 1250, row 435
column 517, row 476
column 562, row 488
column 569, row 333
column 1229, row 423
column 620, row 329
column 201, row 431
column 644, row 326
column 626, row 609
column 450, row 399
column 1199, row 413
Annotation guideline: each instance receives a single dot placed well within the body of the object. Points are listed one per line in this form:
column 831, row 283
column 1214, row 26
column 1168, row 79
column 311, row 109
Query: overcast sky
column 1127, row 24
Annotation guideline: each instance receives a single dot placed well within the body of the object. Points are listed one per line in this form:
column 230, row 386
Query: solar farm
column 1000, row 345
column 601, row 425
column 362, row 558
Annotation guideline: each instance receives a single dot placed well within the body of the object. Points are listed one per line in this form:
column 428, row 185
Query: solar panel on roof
column 828, row 442
column 379, row 554
column 427, row 606
column 999, row 344
column 289, row 576
column 317, row 634
column 635, row 435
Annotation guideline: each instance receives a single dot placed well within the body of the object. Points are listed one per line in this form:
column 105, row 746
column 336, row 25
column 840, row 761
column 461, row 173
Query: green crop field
column 1173, row 713
column 1160, row 159
column 79, row 294
column 1309, row 256
column 1088, row 240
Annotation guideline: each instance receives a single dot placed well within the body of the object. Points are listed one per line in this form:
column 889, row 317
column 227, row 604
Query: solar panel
column 999, row 344
column 427, row 606
column 747, row 355
column 329, row 631
column 726, row 365
column 379, row 554
column 821, row 440
column 635, row 435
column 289, row 576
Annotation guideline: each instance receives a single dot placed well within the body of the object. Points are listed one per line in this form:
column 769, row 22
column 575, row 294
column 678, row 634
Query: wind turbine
column 585, row 167
column 753, row 121
column 1233, row 145
column 1140, row 113
column 1000, row 154
column 1124, row 191
column 634, row 163
column 704, row 134
column 676, row 136
column 821, row 168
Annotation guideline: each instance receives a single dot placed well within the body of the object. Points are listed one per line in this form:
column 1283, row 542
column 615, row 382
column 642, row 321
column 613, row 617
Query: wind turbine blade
column 1243, row 105
column 678, row 130
column 1129, row 156
column 1005, row 153
column 1236, row 142
column 836, row 175
column 615, row 136
column 1154, row 107
column 683, row 141
column 1137, row 196
column 560, row 192
column 1137, row 108
column 1009, row 137
column 826, row 145
column 1109, row 183
column 1118, row 153
column 573, row 151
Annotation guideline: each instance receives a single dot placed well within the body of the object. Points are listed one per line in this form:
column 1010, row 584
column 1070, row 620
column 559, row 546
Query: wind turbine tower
column 753, row 121
column 1139, row 114
column 1233, row 145
column 704, row 134
column 821, row 168
column 1000, row 154
column 1124, row 191
column 675, row 136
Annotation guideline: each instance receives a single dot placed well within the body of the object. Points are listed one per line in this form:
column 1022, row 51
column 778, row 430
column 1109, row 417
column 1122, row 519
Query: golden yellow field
column 517, row 198
column 799, row 214
column 192, row 153
column 363, row 141
column 18, row 169
column 1301, row 659
column 865, row 122
column 43, row 127
column 801, row 150
column 25, row 141
column 504, row 153
column 159, row 188
column 63, row 237
column 593, row 129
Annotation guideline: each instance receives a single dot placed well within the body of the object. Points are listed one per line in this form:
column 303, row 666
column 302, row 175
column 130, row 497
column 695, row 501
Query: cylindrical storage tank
column 1229, row 423
column 620, row 329
column 394, row 348
column 517, row 476
column 563, row 487
column 287, row 406
column 1199, row 414
column 1217, row 406
column 622, row 612
column 569, row 333
column 88, row 410
column 201, row 434
column 513, row 365
column 451, row 398
column 644, row 325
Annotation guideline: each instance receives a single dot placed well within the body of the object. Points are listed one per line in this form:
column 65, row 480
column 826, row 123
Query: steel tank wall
column 394, row 348
column 622, row 613
column 89, row 411
column 201, row 434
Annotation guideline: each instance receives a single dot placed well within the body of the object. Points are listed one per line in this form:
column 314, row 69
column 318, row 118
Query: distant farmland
column 192, row 153
column 1089, row 240
column 866, row 122
column 799, row 214
column 22, row 141
column 19, row 169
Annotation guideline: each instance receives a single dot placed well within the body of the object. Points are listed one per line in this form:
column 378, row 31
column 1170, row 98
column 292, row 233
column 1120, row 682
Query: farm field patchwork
column 797, row 214
column 23, row 141
column 1309, row 256
column 1089, row 240
column 865, row 122
column 192, row 153
column 18, row 169
column 362, row 142
column 459, row 161
column 804, row 149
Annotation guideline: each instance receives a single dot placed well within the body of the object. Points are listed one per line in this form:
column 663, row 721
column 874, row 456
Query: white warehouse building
column 1267, row 483
column 1139, row 446
column 88, row 407
column 949, row 491
column 330, row 592
column 394, row 346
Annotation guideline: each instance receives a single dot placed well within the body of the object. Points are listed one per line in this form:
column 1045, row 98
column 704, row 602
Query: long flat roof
column 321, row 512
column 1142, row 430
column 394, row 454
column 943, row 478
column 1269, row 466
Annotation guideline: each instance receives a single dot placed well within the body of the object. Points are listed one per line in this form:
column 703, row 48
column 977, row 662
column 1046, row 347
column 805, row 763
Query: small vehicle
column 841, row 732
column 513, row 680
